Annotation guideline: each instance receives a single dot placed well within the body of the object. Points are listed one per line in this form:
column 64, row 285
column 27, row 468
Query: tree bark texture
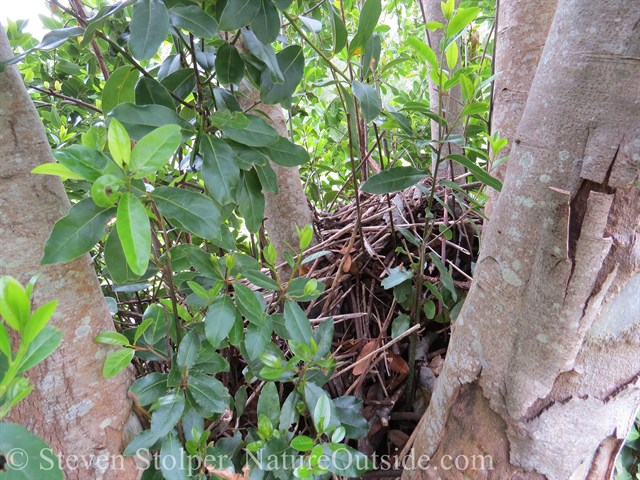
column 543, row 371
column 72, row 407
column 289, row 207
column 523, row 27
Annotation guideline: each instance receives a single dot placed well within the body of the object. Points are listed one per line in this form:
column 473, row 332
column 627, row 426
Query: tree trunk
column 542, row 373
column 289, row 207
column 523, row 27
column 72, row 407
column 450, row 105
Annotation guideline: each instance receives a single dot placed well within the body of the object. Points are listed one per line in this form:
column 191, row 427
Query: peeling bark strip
column 549, row 335
column 72, row 407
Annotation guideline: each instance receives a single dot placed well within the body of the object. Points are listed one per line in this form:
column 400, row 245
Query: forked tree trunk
column 72, row 407
column 523, row 27
column 543, row 372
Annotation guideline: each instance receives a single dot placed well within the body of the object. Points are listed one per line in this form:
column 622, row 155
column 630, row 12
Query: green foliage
column 35, row 342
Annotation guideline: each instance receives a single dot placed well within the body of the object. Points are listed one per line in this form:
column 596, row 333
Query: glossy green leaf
column 286, row 153
column 369, row 100
column 220, row 171
column 251, row 200
column 55, row 38
column 339, row 30
column 15, row 305
column 266, row 24
column 154, row 150
column 149, row 91
column 149, row 27
column 86, row 162
column 180, row 83
column 348, row 410
column 369, row 16
column 257, row 337
column 143, row 119
column 193, row 211
column 269, row 403
column 248, row 303
column 134, row 232
column 478, row 172
column 268, row 178
column 322, row 413
column 174, row 461
column 167, row 414
column 261, row 280
column 111, row 338
column 194, row 20
column 5, row 341
column 210, row 394
column 221, row 315
column 291, row 64
column 40, row 348
column 229, row 65
column 238, row 13
column 117, row 361
column 77, row 232
column 297, row 323
column 146, row 390
column 189, row 349
column 393, row 179
column 264, row 53
column 58, row 170
column 257, row 134
column 119, row 88
column 119, row 270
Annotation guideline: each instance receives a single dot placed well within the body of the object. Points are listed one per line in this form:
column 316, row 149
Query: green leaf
column 188, row 350
column 369, row 100
column 289, row 413
column 77, row 232
column 57, row 169
column 238, row 13
column 297, row 323
column 86, row 162
column 154, row 150
column 400, row 325
column 40, row 348
column 475, row 108
column 210, row 394
column 27, row 446
column 5, row 341
column 261, row 280
column 220, row 171
column 369, row 16
column 117, row 361
column 15, row 305
column 193, row 211
column 248, row 303
column 264, row 53
column 346, row 461
column 149, row 388
column 257, row 133
column 119, row 88
column 55, row 38
column 111, row 338
column 286, row 153
column 269, row 403
column 141, row 443
column 348, row 409
column 167, row 414
column 268, row 178
column 462, row 18
column 151, row 92
column 302, row 443
column 257, row 337
column 445, row 275
column 480, row 174
column 181, row 82
column 393, row 179
column 339, row 30
column 291, row 64
column 452, row 54
column 429, row 308
column 119, row 143
column 229, row 65
column 142, row 119
column 119, row 270
column 322, row 413
column 134, row 232
column 149, row 27
column 251, row 200
column 425, row 52
column 266, row 24
column 174, row 461
column 221, row 316
column 193, row 19
column 397, row 275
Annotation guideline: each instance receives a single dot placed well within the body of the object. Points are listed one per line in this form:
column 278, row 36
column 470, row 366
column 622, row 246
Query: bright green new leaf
column 38, row 320
column 134, row 232
column 57, row 169
column 154, row 150
column 15, row 305
column 392, row 180
column 77, row 232
column 86, row 162
column 462, row 18
column 149, row 27
column 112, row 338
column 119, row 143
column 302, row 443
column 117, row 361
column 40, row 348
column 425, row 52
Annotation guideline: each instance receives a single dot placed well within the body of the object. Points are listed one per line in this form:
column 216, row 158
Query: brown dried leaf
column 398, row 364
column 366, row 350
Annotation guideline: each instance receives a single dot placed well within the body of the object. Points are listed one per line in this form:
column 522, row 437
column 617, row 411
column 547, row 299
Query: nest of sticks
column 360, row 243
